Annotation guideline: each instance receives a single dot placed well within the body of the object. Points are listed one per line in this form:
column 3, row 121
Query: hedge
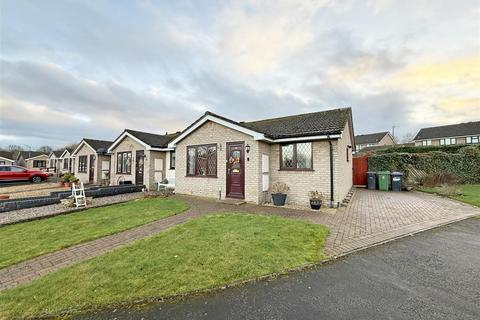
column 423, row 149
column 465, row 165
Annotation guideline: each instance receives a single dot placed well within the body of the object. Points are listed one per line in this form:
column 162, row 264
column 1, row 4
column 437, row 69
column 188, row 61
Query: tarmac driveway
column 432, row 275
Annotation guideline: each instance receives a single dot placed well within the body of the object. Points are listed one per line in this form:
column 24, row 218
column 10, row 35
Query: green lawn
column 202, row 253
column 470, row 193
column 26, row 240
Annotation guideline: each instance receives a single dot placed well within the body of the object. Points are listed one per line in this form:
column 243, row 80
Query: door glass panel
column 235, row 161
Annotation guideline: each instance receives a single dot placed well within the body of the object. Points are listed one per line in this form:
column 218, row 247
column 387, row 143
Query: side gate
column 360, row 167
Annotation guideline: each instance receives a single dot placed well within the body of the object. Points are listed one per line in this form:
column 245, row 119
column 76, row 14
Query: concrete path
column 433, row 275
column 372, row 217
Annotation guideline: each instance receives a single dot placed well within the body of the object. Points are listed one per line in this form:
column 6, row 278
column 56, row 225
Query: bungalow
column 92, row 161
column 374, row 140
column 7, row 157
column 32, row 160
column 461, row 133
column 54, row 161
column 142, row 158
column 67, row 162
column 218, row 157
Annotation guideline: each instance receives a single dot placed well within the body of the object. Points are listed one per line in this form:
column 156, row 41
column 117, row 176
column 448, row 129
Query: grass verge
column 470, row 193
column 203, row 253
column 27, row 240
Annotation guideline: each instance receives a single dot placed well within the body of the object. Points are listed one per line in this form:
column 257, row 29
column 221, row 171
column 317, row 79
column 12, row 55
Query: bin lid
column 383, row 172
column 397, row 173
column 371, row 172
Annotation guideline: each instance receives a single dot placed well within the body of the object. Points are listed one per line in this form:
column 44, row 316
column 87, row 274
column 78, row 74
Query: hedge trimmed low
column 465, row 165
column 423, row 149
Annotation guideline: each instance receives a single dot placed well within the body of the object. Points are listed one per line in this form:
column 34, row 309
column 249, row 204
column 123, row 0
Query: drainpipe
column 331, row 171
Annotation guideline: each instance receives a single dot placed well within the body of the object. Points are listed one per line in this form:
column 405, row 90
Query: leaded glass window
column 202, row 160
column 296, row 156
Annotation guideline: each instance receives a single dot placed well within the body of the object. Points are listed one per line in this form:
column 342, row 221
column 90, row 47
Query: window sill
column 124, row 173
column 296, row 170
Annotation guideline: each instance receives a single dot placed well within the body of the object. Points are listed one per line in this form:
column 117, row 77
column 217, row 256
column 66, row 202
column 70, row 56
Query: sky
column 74, row 69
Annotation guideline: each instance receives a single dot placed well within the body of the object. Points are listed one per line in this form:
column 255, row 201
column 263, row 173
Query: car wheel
column 36, row 179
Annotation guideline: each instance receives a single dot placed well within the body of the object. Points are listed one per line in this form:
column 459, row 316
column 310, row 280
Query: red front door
column 235, row 170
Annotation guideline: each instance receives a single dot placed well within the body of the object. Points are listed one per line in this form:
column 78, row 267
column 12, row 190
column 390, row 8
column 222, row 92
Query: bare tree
column 408, row 137
column 14, row 147
column 45, row 149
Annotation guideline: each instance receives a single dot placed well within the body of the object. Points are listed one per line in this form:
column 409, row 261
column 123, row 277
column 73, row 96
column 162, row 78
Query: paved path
column 371, row 218
column 433, row 275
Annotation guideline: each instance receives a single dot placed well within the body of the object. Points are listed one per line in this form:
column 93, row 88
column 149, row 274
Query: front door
column 139, row 157
column 235, row 170
column 91, row 171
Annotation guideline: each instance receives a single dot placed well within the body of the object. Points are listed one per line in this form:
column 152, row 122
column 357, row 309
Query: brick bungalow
column 67, row 163
column 92, row 162
column 374, row 140
column 219, row 157
column 32, row 160
column 142, row 158
column 7, row 158
column 460, row 133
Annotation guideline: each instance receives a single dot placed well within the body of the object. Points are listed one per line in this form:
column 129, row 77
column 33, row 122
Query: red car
column 16, row 173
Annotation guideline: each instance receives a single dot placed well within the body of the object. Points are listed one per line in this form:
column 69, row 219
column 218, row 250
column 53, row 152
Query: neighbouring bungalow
column 7, row 158
column 218, row 157
column 142, row 158
column 92, row 162
column 67, row 163
column 54, row 161
column 374, row 140
column 32, row 160
column 461, row 133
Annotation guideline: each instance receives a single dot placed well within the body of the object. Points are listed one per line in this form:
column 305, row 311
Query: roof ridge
column 296, row 115
column 449, row 125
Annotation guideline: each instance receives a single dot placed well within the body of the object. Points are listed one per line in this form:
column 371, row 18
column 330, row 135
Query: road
column 433, row 275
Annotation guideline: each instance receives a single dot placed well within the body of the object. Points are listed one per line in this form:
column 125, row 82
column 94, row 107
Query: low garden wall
column 55, row 197
column 463, row 165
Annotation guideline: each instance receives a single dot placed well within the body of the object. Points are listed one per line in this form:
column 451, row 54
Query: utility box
column 371, row 180
column 397, row 181
column 383, row 180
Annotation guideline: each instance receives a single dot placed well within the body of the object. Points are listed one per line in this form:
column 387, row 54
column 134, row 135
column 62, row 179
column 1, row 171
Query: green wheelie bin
column 383, row 180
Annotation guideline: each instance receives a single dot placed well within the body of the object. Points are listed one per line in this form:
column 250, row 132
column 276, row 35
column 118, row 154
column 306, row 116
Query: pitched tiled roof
column 370, row 138
column 453, row 130
column 58, row 153
column 7, row 155
column 301, row 125
column 152, row 139
column 100, row 146
column 30, row 154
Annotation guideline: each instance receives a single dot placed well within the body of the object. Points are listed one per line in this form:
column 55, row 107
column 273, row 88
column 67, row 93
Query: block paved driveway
column 372, row 217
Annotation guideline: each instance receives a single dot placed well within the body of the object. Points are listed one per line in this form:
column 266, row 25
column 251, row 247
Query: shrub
column 463, row 166
column 424, row 149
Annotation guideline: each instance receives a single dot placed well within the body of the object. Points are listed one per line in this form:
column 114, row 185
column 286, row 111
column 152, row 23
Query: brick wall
column 343, row 178
column 213, row 133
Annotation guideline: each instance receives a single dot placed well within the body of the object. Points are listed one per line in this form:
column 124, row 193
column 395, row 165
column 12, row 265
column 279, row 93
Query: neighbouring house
column 67, row 163
column 373, row 140
column 54, row 161
column 142, row 158
column 461, row 133
column 218, row 157
column 32, row 160
column 92, row 161
column 7, row 157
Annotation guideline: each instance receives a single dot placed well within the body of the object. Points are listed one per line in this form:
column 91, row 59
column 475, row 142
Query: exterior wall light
column 247, row 148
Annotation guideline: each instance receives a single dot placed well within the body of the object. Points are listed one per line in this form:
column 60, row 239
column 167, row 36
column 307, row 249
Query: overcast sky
column 73, row 69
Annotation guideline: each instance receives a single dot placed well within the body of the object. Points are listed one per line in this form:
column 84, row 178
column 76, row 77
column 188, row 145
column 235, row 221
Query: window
column 202, row 161
column 474, row 139
column 16, row 169
column 172, row 159
column 2, row 162
column 82, row 164
column 449, row 141
column 39, row 163
column 52, row 163
column 124, row 162
column 4, row 168
column 442, row 142
column 65, row 163
column 426, row 142
column 296, row 156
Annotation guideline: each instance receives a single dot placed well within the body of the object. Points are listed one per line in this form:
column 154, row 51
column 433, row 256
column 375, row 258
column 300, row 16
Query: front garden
column 27, row 240
column 468, row 193
column 202, row 253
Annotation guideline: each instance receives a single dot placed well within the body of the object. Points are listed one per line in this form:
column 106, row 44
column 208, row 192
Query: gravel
column 56, row 209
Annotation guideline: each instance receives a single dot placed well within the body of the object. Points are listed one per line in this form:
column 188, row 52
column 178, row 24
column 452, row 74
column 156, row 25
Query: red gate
column 360, row 167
